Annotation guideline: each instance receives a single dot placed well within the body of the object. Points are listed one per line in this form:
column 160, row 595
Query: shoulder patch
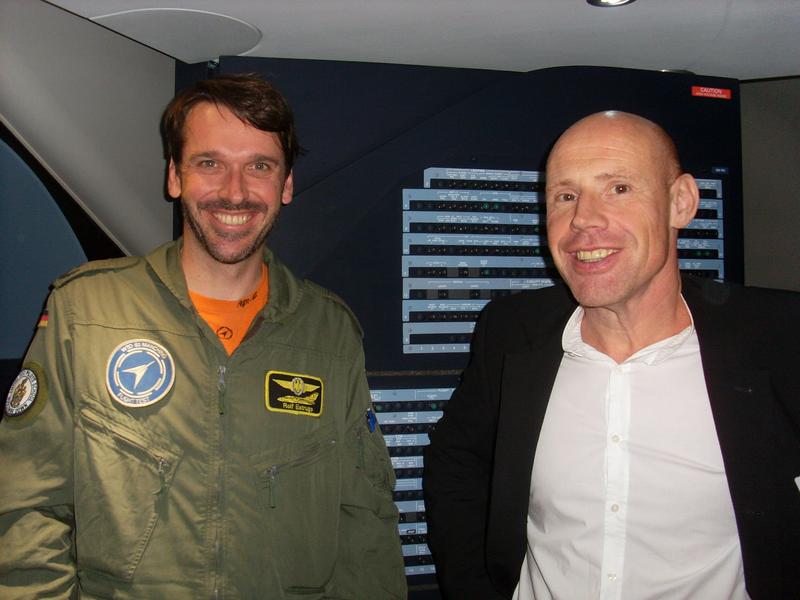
column 97, row 266
column 28, row 386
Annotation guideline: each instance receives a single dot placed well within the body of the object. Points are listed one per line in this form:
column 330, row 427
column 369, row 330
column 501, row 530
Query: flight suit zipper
column 221, row 389
column 362, row 463
column 218, row 559
column 163, row 468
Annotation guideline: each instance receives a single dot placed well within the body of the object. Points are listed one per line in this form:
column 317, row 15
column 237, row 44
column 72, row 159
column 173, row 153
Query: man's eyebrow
column 622, row 173
column 203, row 154
column 214, row 154
column 605, row 176
column 561, row 182
column 265, row 158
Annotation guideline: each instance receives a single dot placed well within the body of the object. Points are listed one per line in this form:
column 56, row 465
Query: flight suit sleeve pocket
column 369, row 461
column 125, row 478
column 370, row 556
column 299, row 490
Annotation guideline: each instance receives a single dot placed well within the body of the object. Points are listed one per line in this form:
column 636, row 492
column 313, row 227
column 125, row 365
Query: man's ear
column 288, row 189
column 684, row 200
column 173, row 180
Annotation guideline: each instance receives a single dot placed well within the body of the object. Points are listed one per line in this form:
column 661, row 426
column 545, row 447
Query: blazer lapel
column 744, row 417
column 526, row 384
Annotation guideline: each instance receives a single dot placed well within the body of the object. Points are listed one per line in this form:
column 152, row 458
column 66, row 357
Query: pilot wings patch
column 293, row 393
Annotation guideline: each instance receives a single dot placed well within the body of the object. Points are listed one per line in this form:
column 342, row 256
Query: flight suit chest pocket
column 299, row 492
column 123, row 479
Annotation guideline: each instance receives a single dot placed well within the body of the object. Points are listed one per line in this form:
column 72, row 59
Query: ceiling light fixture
column 609, row 3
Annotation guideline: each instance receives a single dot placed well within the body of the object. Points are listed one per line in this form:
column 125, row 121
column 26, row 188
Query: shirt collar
column 573, row 344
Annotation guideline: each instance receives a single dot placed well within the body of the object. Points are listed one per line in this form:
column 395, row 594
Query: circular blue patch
column 139, row 373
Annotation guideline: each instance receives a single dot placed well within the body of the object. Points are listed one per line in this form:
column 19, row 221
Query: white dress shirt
column 629, row 497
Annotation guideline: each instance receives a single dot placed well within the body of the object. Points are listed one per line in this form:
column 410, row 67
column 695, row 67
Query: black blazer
column 478, row 466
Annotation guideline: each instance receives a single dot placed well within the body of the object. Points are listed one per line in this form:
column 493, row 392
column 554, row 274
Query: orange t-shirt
column 230, row 319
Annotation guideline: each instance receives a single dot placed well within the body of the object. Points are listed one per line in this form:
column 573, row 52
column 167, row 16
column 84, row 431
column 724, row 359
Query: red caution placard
column 711, row 92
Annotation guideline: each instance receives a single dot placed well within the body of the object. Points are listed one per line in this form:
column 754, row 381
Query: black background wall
column 371, row 129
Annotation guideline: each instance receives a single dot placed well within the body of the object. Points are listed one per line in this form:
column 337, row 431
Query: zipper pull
column 221, row 389
column 361, row 459
column 272, row 478
column 163, row 467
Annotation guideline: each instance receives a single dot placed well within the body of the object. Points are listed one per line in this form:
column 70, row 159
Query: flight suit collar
column 285, row 291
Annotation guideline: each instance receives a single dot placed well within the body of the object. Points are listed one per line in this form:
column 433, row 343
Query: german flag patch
column 293, row 393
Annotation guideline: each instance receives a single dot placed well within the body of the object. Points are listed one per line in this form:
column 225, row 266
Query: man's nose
column 234, row 187
column 589, row 213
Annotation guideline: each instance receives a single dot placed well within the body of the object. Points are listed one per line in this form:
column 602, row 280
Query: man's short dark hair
column 253, row 100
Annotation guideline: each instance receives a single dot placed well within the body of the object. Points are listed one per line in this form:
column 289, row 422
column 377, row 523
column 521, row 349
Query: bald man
column 635, row 433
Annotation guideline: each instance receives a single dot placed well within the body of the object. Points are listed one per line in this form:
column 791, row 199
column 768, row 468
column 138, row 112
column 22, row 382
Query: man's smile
column 594, row 255
column 232, row 219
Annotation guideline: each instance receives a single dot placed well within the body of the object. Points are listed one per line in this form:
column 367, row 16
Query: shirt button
column 612, row 576
column 615, row 438
column 615, row 508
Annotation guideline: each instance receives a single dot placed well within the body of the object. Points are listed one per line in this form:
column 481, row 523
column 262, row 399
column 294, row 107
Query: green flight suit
column 152, row 465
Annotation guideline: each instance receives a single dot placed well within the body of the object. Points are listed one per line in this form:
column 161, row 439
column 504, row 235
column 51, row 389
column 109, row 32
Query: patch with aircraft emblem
column 293, row 393
column 139, row 373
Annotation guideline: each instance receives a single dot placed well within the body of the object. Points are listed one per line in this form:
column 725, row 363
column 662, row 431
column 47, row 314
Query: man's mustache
column 222, row 204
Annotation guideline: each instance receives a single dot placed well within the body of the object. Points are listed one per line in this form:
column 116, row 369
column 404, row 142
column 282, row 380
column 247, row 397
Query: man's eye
column 622, row 188
column 208, row 163
column 261, row 166
column 565, row 197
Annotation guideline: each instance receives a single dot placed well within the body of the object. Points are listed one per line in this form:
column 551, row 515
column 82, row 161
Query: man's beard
column 214, row 251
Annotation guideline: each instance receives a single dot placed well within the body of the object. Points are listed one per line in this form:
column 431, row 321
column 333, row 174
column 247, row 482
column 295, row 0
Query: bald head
column 611, row 123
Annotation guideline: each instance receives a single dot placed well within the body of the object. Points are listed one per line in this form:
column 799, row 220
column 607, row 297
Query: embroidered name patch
column 139, row 373
column 22, row 393
column 293, row 393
